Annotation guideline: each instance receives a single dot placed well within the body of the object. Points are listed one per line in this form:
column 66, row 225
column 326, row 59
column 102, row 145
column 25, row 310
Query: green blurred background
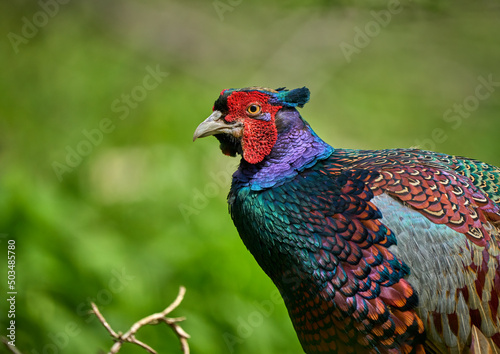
column 109, row 200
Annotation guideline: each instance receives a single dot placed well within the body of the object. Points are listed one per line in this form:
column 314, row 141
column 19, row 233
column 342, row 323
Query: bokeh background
column 109, row 200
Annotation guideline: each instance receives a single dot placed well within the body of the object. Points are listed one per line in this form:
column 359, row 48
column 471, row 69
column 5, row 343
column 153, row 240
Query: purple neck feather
column 297, row 148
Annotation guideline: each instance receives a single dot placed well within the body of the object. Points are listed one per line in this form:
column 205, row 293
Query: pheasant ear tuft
column 297, row 97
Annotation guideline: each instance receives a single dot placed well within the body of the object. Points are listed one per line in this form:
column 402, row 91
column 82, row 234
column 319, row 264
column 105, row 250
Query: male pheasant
column 388, row 251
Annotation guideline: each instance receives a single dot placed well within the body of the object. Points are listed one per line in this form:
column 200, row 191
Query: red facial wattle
column 259, row 135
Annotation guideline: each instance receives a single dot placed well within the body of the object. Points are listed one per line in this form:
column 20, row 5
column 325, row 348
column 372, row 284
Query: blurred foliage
column 144, row 211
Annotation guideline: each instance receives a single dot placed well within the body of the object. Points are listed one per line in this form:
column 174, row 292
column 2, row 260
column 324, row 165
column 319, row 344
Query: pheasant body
column 372, row 251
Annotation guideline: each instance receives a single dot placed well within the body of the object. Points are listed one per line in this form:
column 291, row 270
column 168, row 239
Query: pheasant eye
column 253, row 109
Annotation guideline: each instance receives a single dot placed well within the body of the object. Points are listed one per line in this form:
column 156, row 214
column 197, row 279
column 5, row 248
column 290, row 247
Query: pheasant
column 386, row 251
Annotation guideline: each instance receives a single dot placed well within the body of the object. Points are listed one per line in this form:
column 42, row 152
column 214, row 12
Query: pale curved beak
column 214, row 124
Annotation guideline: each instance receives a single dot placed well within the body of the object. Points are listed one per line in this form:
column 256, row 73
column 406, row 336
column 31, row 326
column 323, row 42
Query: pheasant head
column 246, row 121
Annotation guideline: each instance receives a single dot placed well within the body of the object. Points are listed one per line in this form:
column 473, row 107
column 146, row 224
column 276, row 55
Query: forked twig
column 155, row 318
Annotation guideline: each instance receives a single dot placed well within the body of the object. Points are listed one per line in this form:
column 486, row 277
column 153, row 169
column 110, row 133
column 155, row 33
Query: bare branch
column 11, row 348
column 156, row 318
column 101, row 318
column 177, row 301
